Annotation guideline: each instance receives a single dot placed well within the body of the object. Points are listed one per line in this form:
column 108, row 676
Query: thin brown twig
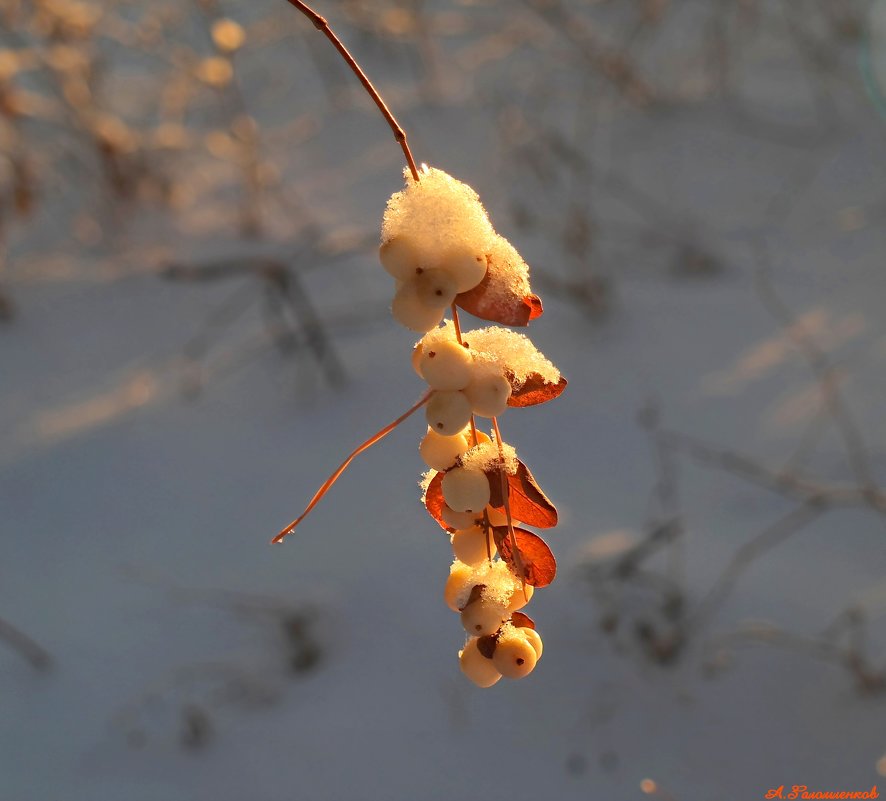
column 322, row 25
column 327, row 485
column 505, row 493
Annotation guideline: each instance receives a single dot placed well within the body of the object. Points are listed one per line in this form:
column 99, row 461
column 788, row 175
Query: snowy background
column 197, row 334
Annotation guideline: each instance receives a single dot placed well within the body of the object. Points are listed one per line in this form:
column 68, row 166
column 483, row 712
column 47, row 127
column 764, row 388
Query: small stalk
column 322, row 25
column 505, row 493
column 327, row 485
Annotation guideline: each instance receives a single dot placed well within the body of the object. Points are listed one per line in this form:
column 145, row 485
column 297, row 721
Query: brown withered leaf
column 528, row 502
column 536, row 558
column 522, row 620
column 486, row 645
column 434, row 502
column 536, row 390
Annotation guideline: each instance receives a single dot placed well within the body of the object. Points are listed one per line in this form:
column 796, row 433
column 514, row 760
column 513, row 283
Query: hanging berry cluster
column 442, row 251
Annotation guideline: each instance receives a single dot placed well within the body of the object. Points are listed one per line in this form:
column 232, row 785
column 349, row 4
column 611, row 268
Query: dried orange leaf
column 528, row 503
column 536, row 558
column 434, row 502
column 535, row 390
column 522, row 620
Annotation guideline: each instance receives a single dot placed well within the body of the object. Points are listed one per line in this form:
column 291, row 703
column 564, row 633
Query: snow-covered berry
column 401, row 257
column 477, row 667
column 448, row 412
column 440, row 452
column 472, row 545
column 514, row 656
column 488, row 393
column 412, row 311
column 446, row 365
column 481, row 617
column 466, row 264
column 465, row 490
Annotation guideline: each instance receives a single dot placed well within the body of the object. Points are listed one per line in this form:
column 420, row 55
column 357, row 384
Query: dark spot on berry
column 520, row 660
column 439, row 425
column 438, row 293
column 479, row 627
column 418, row 270
column 431, row 354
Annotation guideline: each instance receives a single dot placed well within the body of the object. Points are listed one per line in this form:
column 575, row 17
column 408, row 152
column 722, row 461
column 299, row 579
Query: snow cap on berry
column 497, row 348
column 441, row 212
column 486, row 457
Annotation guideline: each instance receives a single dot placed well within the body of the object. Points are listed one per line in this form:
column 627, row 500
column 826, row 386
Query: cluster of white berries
column 427, row 282
column 438, row 243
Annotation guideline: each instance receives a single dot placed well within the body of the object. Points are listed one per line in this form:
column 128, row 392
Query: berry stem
column 505, row 493
column 322, row 25
column 457, row 325
column 327, row 485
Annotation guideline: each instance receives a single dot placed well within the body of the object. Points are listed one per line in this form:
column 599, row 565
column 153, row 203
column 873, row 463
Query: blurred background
column 195, row 331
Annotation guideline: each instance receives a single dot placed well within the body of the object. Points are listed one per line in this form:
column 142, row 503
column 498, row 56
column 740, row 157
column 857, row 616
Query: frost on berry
column 487, row 457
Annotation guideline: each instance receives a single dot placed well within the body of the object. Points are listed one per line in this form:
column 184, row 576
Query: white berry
column 465, row 490
column 480, row 617
column 466, row 265
column 411, row 311
column 440, row 452
column 446, row 365
column 472, row 545
column 448, row 412
column 435, row 288
column 521, row 597
column 488, row 394
column 534, row 639
column 514, row 657
column 401, row 257
column 477, row 667
column 459, row 520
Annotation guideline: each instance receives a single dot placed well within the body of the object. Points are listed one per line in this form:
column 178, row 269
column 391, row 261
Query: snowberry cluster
column 438, row 244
